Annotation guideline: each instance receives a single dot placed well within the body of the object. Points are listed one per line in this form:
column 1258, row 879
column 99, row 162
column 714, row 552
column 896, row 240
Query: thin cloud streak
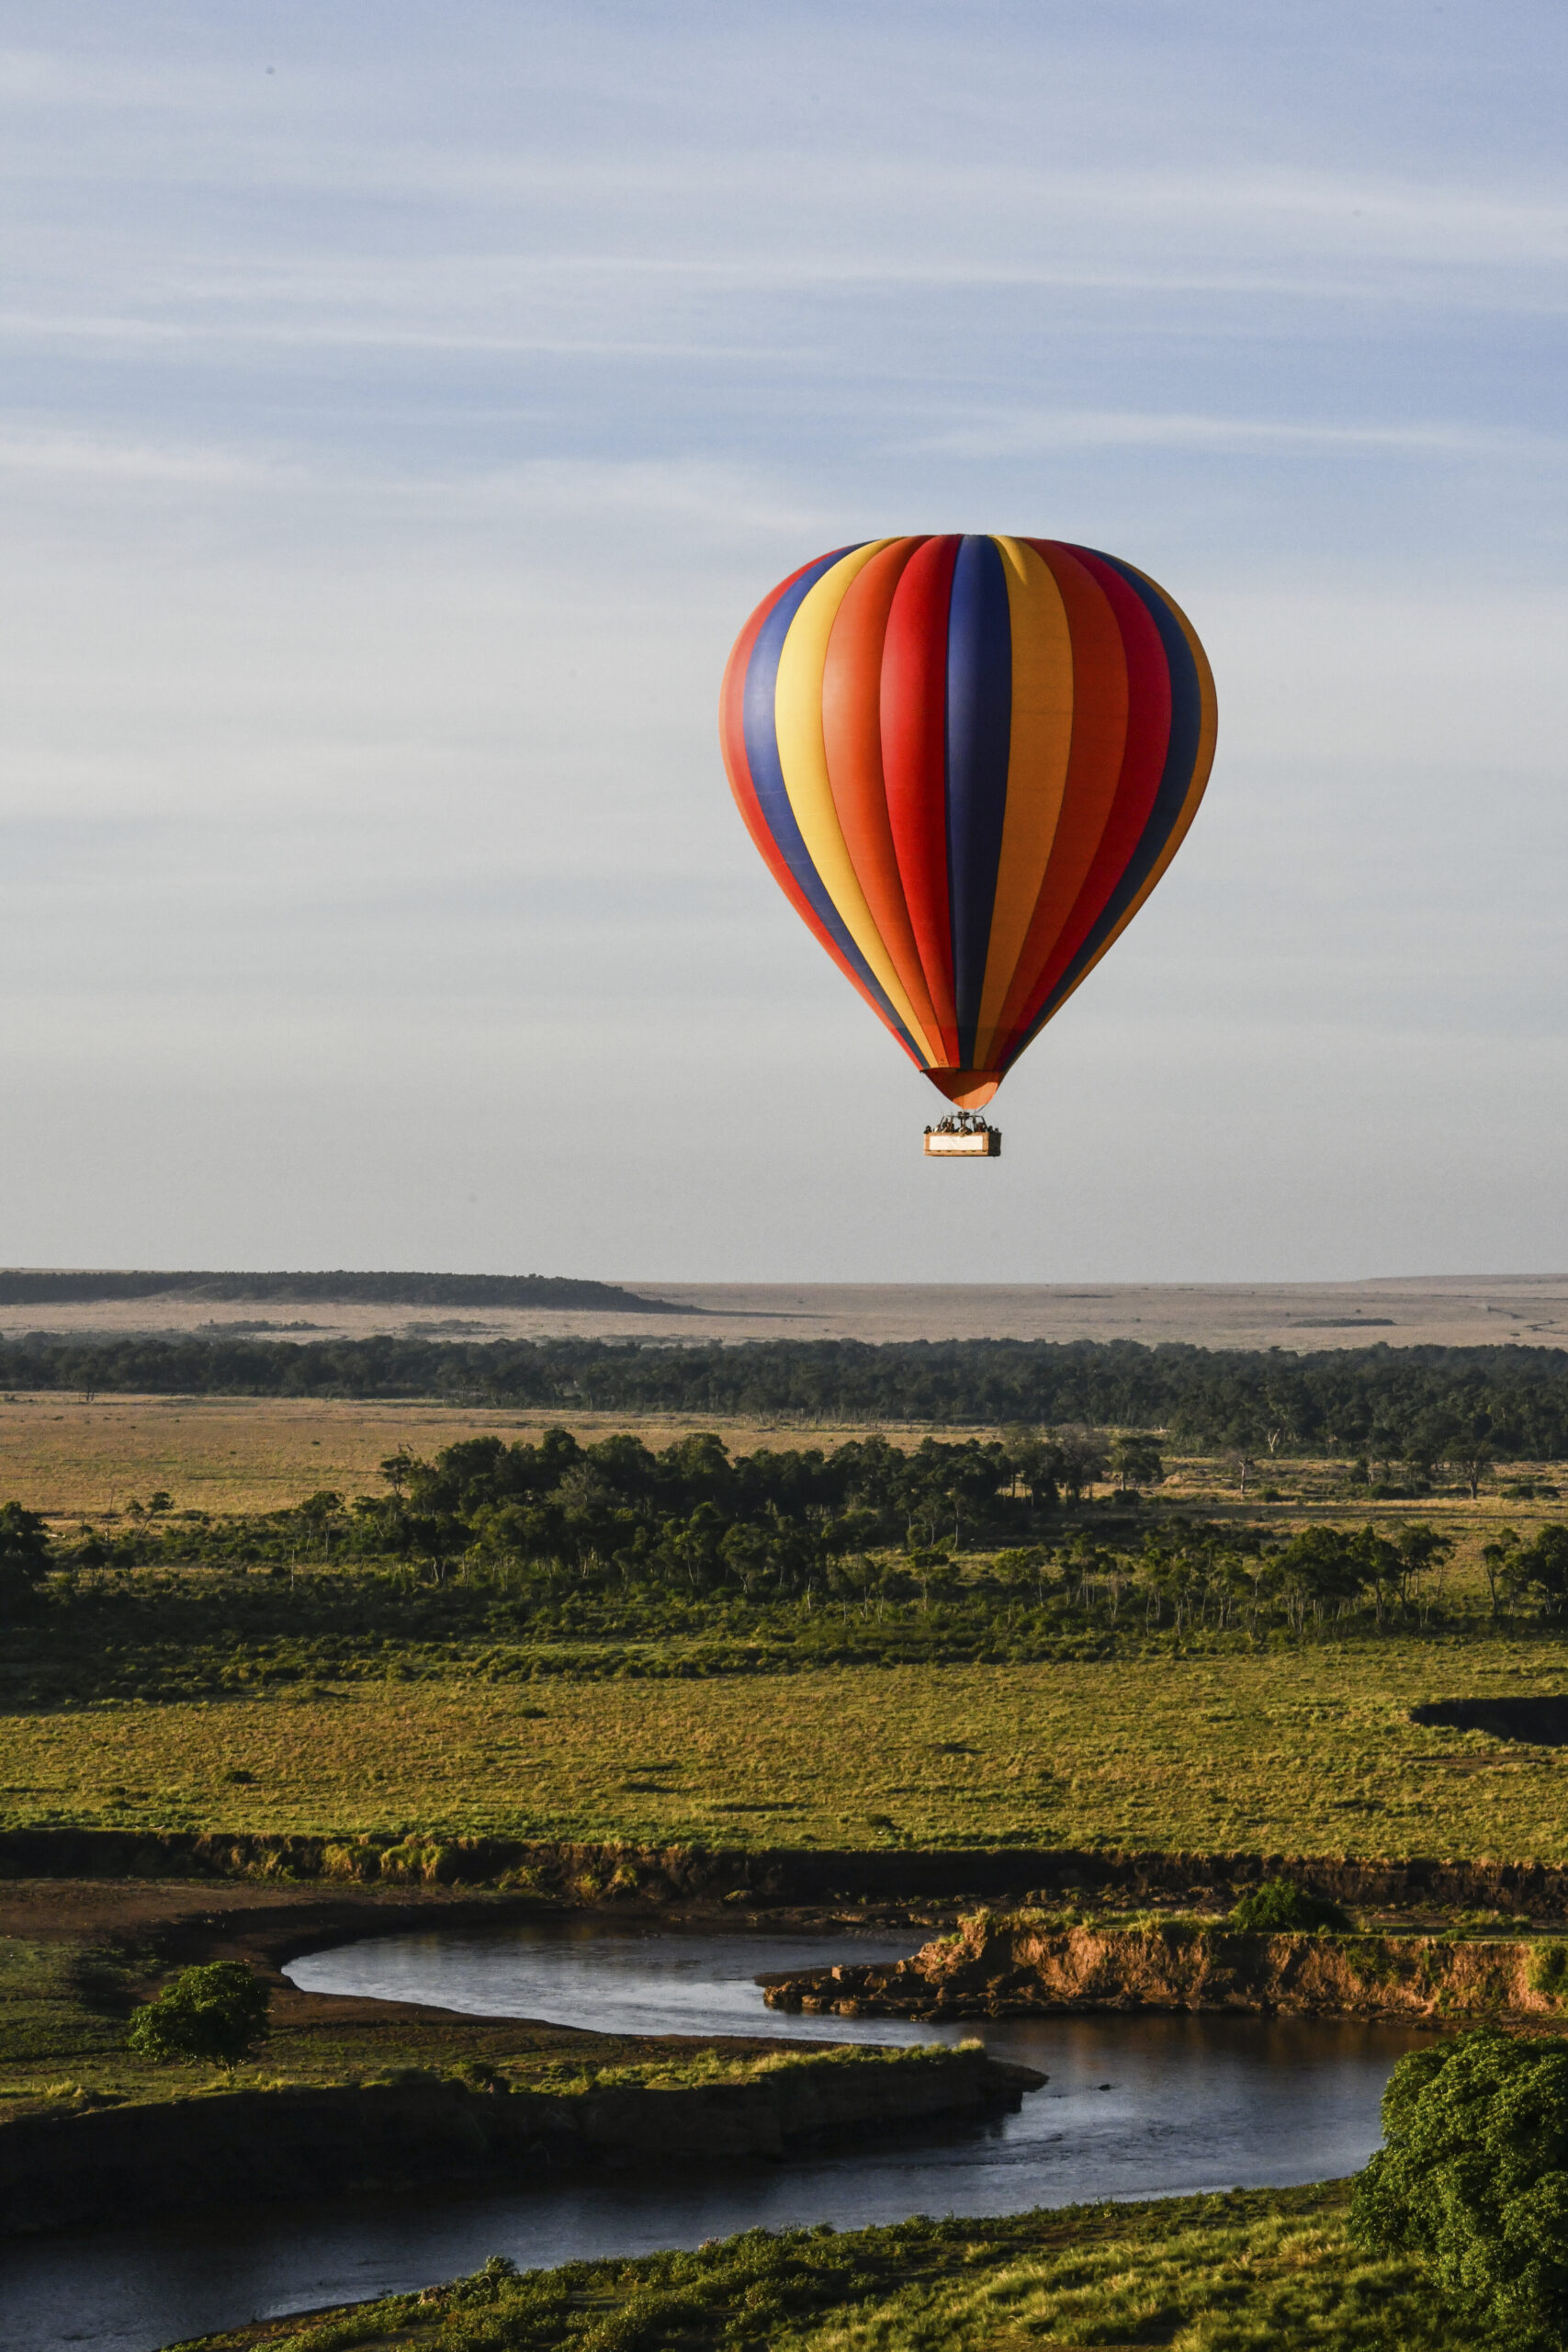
column 1025, row 434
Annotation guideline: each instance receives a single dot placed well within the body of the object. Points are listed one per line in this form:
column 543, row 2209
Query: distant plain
column 1450, row 1310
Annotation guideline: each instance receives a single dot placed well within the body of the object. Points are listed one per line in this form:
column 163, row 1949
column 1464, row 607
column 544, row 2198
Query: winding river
column 1135, row 2106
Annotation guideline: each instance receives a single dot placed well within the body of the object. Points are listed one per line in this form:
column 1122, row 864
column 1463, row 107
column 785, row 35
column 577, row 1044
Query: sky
column 406, row 405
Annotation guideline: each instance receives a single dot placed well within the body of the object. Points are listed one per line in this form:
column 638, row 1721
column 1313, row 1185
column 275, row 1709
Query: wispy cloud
column 103, row 460
column 1023, row 432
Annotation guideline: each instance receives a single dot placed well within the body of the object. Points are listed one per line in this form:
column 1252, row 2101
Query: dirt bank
column 294, row 2141
column 1008, row 1967
column 560, row 1871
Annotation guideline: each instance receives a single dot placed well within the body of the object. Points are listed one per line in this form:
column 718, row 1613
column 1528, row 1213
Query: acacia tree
column 1082, row 1456
column 1544, row 1564
column 1500, row 1559
column 1134, row 1458
column 1418, row 1552
column 1037, row 1462
column 1472, row 1461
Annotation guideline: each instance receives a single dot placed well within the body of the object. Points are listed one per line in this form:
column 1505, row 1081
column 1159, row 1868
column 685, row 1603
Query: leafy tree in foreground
column 219, row 2013
column 1475, row 2177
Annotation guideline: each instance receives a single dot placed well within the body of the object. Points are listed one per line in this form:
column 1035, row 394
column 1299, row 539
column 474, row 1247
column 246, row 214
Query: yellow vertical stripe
column 797, row 728
column 1040, row 743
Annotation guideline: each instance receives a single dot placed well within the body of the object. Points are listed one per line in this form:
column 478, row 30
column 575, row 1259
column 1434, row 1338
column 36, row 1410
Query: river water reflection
column 1135, row 2106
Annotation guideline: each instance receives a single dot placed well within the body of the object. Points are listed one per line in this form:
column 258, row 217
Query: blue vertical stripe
column 767, row 778
column 979, row 734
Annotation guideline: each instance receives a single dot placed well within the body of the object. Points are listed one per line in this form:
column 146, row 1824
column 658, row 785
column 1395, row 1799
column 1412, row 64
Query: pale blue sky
column 406, row 403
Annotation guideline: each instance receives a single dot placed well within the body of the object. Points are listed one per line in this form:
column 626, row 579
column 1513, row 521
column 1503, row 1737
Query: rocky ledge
column 1022, row 1964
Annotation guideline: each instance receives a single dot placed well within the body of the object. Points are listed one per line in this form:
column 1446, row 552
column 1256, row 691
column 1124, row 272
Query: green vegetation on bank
column 1250, row 2271
column 217, row 2011
column 1410, row 1405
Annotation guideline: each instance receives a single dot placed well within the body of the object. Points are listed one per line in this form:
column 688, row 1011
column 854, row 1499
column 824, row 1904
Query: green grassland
column 1306, row 1750
column 1251, row 2271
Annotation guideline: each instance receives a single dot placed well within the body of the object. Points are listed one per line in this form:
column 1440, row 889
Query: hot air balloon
column 968, row 762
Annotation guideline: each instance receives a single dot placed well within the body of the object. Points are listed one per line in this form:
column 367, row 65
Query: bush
column 219, row 2013
column 1280, row 1907
column 1475, row 2177
column 1548, row 1970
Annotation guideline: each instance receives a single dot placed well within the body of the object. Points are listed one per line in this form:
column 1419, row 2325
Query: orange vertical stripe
column 852, row 735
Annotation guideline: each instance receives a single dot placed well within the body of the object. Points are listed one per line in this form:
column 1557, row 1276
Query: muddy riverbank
column 351, row 2092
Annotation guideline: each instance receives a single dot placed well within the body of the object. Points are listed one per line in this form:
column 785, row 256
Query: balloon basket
column 963, row 1137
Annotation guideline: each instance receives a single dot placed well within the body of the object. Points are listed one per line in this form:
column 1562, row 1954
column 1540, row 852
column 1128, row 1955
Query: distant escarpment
column 1022, row 1964
column 50, row 1286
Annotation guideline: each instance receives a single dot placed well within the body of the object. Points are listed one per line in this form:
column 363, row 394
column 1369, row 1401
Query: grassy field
column 62, row 2024
column 1308, row 1752
column 1252, row 2271
column 70, row 1459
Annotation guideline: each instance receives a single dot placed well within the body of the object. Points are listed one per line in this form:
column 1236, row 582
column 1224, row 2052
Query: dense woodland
column 563, row 1557
column 1417, row 1405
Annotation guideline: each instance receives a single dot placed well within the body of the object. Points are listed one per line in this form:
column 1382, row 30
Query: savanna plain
column 323, row 1692
column 319, row 1649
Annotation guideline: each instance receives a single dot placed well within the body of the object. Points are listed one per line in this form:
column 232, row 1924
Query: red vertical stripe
column 1099, row 743
column 914, row 760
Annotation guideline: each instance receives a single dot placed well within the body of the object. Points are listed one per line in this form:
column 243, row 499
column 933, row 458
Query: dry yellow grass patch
column 72, row 1459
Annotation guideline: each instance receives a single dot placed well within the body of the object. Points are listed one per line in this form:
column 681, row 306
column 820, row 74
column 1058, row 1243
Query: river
column 1135, row 2106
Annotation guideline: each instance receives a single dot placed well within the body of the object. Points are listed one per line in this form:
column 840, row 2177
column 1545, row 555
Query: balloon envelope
column 968, row 762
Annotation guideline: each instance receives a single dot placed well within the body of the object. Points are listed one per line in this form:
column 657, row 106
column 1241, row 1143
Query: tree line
column 615, row 1535
column 1416, row 1406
